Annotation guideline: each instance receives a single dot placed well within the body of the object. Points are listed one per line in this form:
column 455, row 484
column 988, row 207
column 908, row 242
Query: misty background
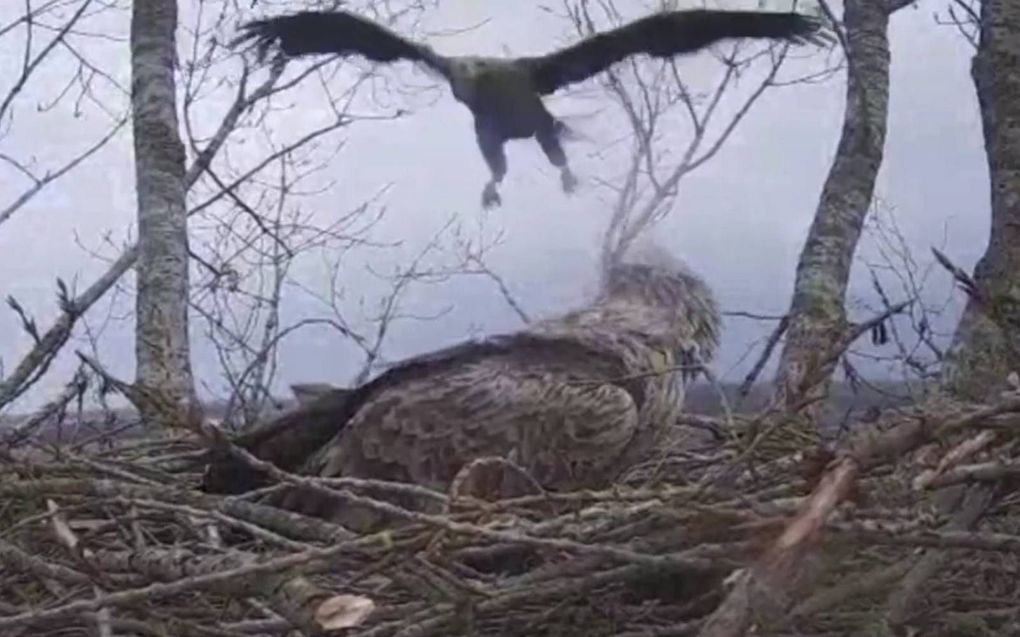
column 739, row 221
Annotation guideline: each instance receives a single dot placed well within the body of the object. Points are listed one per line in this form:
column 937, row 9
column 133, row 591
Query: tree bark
column 986, row 346
column 161, row 308
column 818, row 327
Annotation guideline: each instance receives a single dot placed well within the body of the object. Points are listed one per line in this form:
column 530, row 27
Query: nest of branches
column 906, row 526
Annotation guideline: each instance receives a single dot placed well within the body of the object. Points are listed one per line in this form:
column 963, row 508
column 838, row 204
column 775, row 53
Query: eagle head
column 678, row 304
column 468, row 75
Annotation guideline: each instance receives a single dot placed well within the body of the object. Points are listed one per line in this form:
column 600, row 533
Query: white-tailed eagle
column 574, row 401
column 505, row 94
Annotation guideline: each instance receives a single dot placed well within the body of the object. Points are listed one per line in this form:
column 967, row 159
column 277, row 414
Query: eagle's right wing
column 666, row 34
column 337, row 32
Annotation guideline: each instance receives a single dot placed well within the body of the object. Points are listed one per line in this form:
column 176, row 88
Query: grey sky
column 740, row 219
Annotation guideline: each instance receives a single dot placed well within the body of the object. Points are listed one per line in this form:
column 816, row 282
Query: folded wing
column 551, row 406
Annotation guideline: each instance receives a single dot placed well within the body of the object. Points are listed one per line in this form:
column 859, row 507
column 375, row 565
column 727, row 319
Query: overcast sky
column 740, row 220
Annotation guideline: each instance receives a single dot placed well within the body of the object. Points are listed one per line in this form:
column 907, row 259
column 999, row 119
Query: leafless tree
column 673, row 126
column 253, row 235
column 911, row 342
column 162, row 348
column 986, row 345
column 234, row 145
column 818, row 330
column 46, row 37
column 983, row 350
column 55, row 81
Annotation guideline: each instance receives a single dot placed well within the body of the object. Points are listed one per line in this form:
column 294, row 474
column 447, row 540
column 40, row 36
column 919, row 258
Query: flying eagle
column 505, row 94
column 573, row 401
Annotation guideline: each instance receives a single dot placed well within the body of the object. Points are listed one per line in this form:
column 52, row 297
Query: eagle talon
column 490, row 196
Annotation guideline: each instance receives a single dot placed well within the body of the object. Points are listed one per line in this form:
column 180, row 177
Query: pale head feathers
column 656, row 292
column 464, row 73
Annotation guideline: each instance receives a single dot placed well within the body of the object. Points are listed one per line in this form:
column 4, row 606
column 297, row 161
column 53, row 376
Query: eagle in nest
column 567, row 403
column 505, row 94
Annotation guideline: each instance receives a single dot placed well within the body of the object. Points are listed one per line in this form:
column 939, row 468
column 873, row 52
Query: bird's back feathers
column 291, row 439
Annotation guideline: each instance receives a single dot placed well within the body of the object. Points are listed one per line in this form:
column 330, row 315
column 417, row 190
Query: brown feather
column 573, row 400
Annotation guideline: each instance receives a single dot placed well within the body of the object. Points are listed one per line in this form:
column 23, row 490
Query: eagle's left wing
column 339, row 32
column 558, row 412
column 666, row 34
column 286, row 442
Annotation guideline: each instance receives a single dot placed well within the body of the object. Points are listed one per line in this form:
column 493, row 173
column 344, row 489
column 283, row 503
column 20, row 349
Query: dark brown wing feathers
column 286, row 442
column 338, row 32
column 289, row 440
column 564, row 407
column 663, row 34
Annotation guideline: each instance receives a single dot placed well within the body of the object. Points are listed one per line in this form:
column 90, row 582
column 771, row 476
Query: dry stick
column 949, row 539
column 984, row 472
column 974, row 505
column 255, row 530
column 35, row 363
column 766, row 354
column 15, row 435
column 857, row 587
column 53, row 175
column 15, row 558
column 293, row 525
column 30, row 66
column 955, row 456
column 66, row 536
column 763, row 586
column 424, row 625
column 294, row 597
column 243, row 577
column 228, row 580
column 696, row 566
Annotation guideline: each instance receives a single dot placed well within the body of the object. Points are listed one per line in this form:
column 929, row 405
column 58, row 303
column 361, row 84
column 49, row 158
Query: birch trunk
column 161, row 310
column 983, row 353
column 818, row 326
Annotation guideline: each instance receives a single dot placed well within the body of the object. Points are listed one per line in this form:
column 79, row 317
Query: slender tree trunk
column 818, row 326
column 986, row 345
column 161, row 345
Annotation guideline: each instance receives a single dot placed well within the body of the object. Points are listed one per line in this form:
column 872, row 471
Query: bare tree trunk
column 986, row 346
column 818, row 327
column 161, row 346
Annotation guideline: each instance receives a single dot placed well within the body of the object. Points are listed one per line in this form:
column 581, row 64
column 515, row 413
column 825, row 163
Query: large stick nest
column 907, row 527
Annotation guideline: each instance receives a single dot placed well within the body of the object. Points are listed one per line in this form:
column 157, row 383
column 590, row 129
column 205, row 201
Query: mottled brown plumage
column 573, row 400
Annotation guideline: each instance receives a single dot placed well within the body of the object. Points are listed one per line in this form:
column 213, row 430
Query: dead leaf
column 343, row 611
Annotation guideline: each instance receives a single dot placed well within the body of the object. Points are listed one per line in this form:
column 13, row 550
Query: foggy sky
column 740, row 220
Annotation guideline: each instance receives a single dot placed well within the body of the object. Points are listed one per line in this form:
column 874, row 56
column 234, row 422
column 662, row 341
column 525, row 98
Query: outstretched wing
column 337, row 32
column 666, row 34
